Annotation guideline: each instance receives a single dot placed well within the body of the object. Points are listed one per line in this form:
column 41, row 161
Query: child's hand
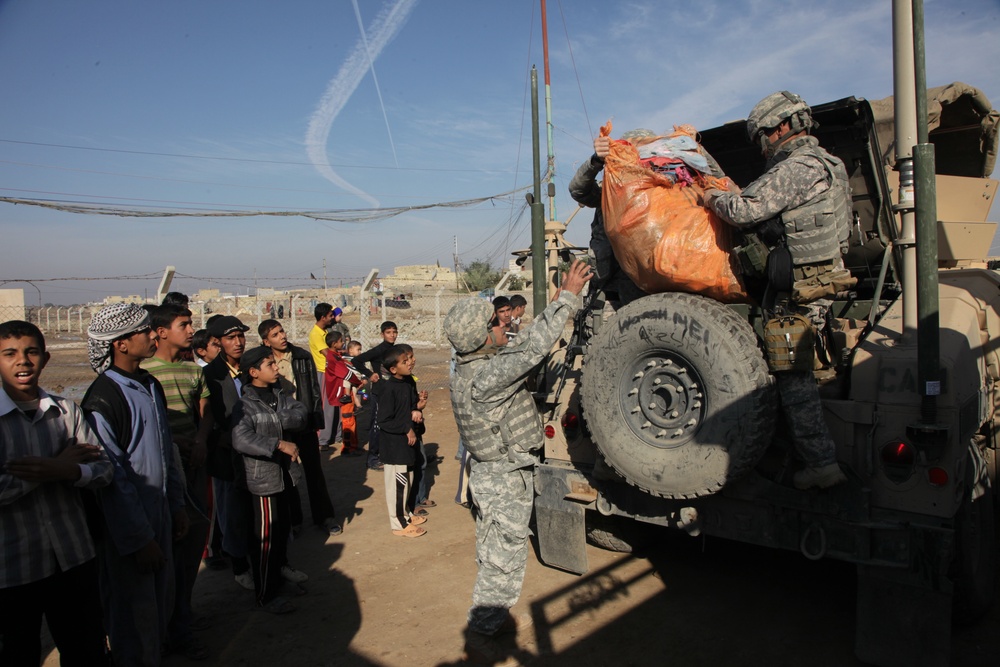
column 63, row 466
column 80, row 453
column 42, row 469
column 422, row 395
column 417, row 417
column 411, row 438
column 289, row 448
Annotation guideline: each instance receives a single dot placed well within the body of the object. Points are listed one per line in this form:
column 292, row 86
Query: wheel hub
column 662, row 399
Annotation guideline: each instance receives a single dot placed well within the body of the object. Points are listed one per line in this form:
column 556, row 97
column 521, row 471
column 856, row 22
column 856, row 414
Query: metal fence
column 419, row 317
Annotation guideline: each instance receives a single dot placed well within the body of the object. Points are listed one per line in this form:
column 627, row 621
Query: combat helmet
column 466, row 324
column 771, row 111
column 638, row 133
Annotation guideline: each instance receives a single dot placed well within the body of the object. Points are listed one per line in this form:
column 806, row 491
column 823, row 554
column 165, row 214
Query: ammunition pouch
column 790, row 343
column 752, row 256
column 753, row 253
column 816, row 281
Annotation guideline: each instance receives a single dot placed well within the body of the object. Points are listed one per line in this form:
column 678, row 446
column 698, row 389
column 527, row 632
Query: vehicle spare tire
column 677, row 395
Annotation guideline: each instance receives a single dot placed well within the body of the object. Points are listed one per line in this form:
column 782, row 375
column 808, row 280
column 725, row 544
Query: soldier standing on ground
column 801, row 209
column 499, row 423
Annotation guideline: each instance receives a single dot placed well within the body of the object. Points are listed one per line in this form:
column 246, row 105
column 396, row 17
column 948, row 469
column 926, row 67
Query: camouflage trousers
column 503, row 500
column 801, row 403
column 804, row 414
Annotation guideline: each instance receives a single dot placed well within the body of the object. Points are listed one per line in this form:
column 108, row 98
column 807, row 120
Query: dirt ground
column 380, row 600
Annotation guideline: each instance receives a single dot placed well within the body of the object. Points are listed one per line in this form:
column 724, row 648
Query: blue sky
column 254, row 105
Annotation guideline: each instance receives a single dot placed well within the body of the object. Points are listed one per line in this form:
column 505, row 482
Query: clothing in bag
column 663, row 237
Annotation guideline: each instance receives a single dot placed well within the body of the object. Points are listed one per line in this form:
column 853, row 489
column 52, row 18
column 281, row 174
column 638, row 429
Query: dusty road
column 380, row 600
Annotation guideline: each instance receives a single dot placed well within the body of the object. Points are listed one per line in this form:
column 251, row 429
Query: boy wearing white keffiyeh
column 144, row 506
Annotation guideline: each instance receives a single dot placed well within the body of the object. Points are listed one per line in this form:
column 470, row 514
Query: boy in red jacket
column 337, row 375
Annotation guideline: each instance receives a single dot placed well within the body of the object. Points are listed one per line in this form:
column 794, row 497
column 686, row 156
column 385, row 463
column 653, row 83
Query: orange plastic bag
column 663, row 238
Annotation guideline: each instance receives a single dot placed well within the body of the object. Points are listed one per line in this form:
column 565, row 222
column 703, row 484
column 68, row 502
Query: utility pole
column 457, row 283
column 324, row 277
column 539, row 288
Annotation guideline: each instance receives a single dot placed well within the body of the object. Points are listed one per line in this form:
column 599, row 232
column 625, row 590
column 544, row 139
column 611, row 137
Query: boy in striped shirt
column 48, row 454
column 190, row 422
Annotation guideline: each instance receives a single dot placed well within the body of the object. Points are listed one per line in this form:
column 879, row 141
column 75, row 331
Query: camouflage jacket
column 494, row 411
column 807, row 189
column 583, row 187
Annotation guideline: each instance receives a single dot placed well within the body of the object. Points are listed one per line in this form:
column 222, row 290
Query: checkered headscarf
column 109, row 324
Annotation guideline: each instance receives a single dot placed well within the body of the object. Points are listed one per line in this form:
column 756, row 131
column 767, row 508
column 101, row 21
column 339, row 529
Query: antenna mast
column 548, row 116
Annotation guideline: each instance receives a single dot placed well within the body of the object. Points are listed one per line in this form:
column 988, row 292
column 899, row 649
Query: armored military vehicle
column 663, row 414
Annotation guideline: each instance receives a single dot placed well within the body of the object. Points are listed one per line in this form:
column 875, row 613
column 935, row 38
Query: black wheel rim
column 662, row 399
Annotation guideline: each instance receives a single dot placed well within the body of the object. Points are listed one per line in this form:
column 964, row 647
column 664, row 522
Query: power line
column 77, row 278
column 333, row 215
column 189, row 181
column 572, row 59
column 192, row 156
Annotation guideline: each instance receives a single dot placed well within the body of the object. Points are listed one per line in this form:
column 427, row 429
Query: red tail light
column 550, row 431
column 898, row 458
column 898, row 454
column 937, row 476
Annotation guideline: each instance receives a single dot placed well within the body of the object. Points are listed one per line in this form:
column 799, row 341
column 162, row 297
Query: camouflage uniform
column 497, row 419
column 586, row 191
column 801, row 175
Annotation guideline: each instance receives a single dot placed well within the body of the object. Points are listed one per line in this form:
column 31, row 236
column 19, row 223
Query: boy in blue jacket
column 144, row 505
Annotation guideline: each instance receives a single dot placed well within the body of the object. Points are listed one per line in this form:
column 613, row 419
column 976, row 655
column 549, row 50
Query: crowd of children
column 187, row 445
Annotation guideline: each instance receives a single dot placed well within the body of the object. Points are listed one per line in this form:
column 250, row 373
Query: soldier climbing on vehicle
column 797, row 215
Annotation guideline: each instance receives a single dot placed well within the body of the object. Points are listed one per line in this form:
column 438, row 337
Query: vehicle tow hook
column 803, row 547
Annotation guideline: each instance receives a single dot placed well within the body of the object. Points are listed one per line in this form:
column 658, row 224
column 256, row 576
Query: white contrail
column 383, row 29
column 371, row 65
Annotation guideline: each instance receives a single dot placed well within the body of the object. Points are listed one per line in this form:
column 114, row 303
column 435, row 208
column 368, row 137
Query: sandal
column 418, row 520
column 427, row 503
column 419, row 511
column 410, row 531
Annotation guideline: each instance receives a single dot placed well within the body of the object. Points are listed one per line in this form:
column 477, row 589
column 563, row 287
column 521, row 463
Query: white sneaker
column 245, row 580
column 293, row 575
column 822, row 476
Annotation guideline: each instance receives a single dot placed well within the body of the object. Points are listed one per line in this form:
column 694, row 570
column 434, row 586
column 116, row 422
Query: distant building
column 131, row 298
column 11, row 304
column 206, row 295
column 405, row 278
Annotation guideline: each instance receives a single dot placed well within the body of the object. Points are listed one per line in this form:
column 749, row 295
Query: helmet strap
column 795, row 126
